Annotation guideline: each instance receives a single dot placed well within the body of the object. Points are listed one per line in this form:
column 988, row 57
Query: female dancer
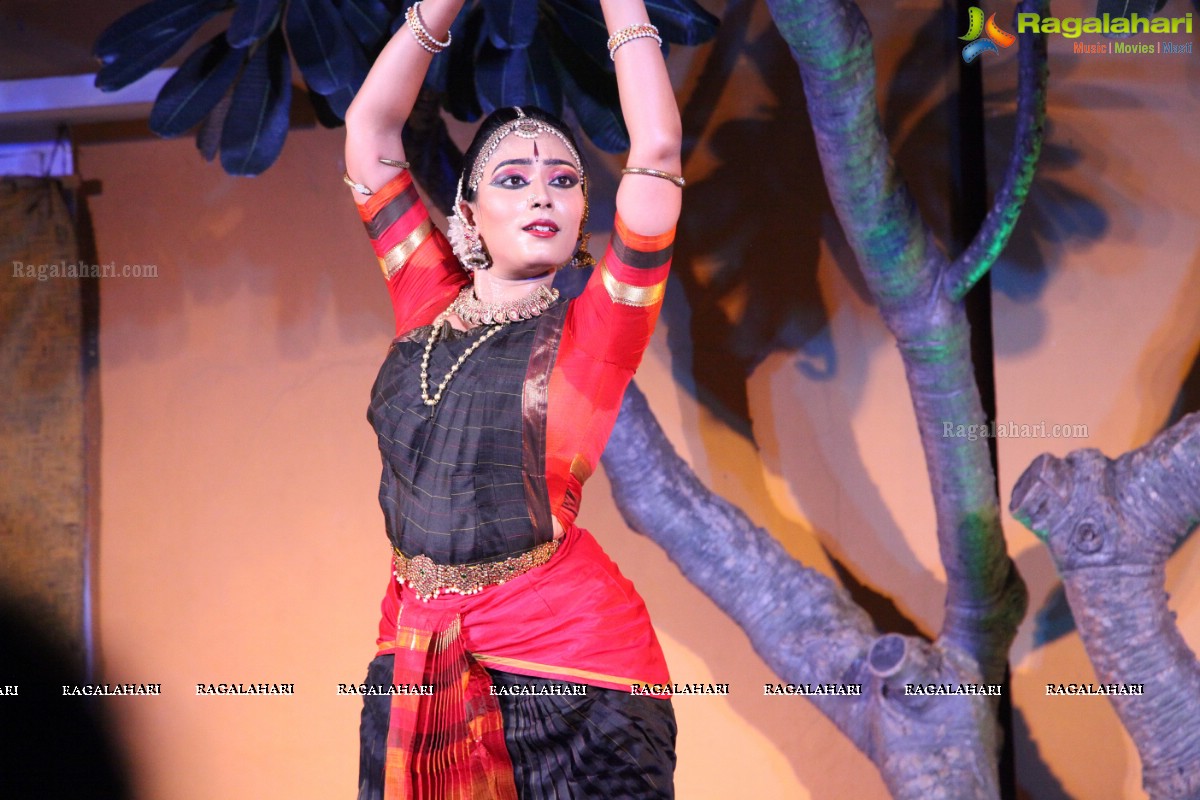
column 513, row 655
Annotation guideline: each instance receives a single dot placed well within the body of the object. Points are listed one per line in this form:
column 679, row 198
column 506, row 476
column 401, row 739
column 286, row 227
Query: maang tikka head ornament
column 464, row 236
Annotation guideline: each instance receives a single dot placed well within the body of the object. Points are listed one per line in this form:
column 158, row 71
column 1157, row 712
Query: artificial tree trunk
column 920, row 294
column 1110, row 526
column 806, row 627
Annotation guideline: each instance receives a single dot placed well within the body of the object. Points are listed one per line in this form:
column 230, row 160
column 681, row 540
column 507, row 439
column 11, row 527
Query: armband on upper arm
column 397, row 223
column 634, row 268
column 629, row 294
column 396, row 257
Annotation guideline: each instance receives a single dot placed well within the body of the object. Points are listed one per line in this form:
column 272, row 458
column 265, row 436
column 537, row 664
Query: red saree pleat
column 448, row 746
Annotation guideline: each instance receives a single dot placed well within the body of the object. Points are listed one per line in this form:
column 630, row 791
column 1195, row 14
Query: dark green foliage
column 514, row 52
column 454, row 78
column 681, row 21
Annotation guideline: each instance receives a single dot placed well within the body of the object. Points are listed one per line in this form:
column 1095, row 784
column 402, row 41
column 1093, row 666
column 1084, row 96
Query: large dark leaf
column 321, row 44
column 511, row 23
column 324, row 110
column 601, row 121
column 682, row 21
column 257, row 122
column 153, row 21
column 340, row 98
column 252, row 20
column 464, row 35
column 436, row 160
column 518, row 77
column 146, row 37
column 489, row 75
column 208, row 135
column 196, row 87
column 368, row 20
column 583, row 23
column 545, row 87
column 462, row 96
column 592, row 93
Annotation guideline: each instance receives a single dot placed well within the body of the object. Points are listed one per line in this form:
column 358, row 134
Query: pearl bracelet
column 424, row 38
column 628, row 34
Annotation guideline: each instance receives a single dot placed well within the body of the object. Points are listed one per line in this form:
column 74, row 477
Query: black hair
column 502, row 116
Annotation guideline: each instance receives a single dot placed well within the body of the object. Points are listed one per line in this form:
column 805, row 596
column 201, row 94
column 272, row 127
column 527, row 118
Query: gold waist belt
column 429, row 580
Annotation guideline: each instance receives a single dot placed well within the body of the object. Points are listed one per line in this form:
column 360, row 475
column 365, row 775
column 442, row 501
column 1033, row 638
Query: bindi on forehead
column 529, row 153
column 530, row 148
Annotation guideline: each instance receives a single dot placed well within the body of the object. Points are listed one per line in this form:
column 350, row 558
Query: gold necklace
column 473, row 311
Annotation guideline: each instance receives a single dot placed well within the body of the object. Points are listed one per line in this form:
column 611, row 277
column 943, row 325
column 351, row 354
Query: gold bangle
column 361, row 188
column 655, row 173
column 424, row 38
column 630, row 32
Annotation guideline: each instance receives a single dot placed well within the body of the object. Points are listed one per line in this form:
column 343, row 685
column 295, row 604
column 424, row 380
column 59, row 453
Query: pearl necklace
column 472, row 311
column 433, row 337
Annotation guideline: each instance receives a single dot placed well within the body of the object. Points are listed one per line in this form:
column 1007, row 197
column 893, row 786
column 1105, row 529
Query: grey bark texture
column 1110, row 526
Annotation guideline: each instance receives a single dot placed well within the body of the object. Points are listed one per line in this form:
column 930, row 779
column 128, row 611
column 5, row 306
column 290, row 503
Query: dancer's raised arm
column 649, row 196
column 382, row 105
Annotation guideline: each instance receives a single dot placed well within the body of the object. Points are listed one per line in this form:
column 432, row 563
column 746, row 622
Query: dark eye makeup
column 517, row 180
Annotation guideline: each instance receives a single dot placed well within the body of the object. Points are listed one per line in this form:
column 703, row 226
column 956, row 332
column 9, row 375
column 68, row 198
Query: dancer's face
column 528, row 206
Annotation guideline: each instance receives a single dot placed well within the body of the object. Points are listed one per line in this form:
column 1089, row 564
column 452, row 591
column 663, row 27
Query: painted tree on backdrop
column 1106, row 522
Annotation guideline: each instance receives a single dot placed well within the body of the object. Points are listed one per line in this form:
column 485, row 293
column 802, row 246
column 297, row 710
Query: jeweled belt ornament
column 428, row 580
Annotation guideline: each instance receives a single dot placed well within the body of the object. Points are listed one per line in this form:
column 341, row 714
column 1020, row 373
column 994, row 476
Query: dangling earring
column 464, row 238
column 582, row 257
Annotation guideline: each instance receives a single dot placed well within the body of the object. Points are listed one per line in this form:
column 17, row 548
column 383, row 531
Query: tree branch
column 1110, row 527
column 805, row 627
column 902, row 265
column 990, row 241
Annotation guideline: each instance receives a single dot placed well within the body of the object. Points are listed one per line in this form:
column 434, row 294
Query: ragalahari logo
column 993, row 38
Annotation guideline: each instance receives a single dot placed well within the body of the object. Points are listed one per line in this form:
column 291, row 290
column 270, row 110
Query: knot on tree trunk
column 934, row 733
